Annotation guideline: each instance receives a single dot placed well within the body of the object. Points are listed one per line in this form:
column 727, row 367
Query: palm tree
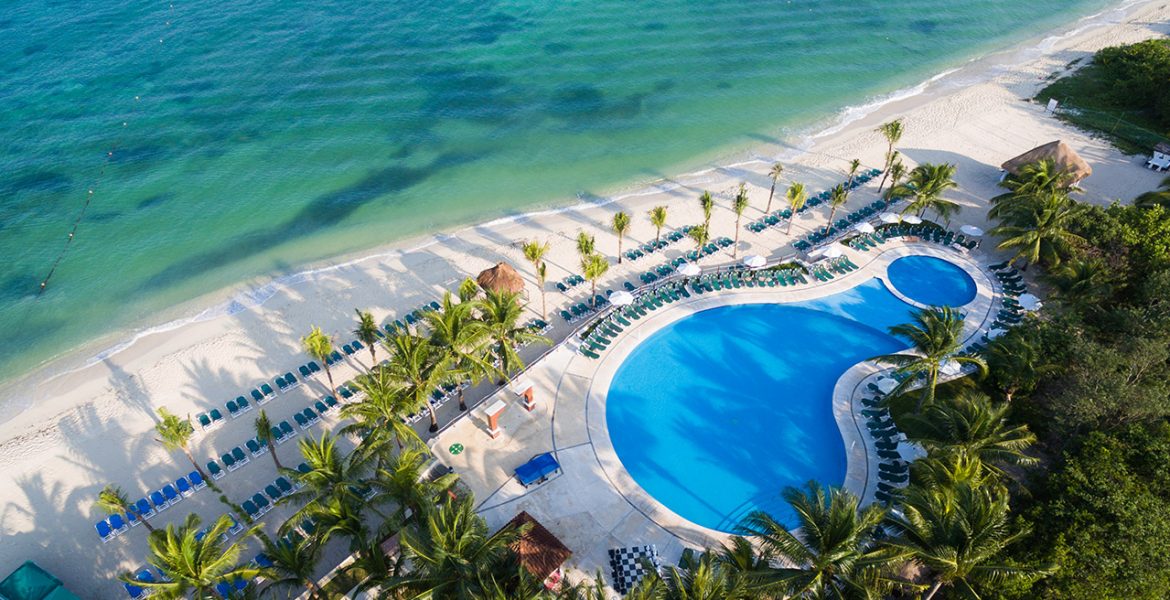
column 469, row 289
column 892, row 131
column 594, row 267
column 175, row 434
column 319, row 347
column 621, row 224
column 796, row 197
column 464, row 340
column 956, row 533
column 1039, row 232
column 293, row 566
column 1082, row 283
column 420, row 367
column 585, row 244
column 774, row 174
column 501, row 313
column 194, row 560
column 114, row 502
column 1016, row 364
column 896, row 172
column 854, row 166
column 658, row 220
column 452, row 554
column 935, row 338
column 1034, row 180
column 700, row 235
column 263, row 429
column 926, row 185
column 402, row 480
column 534, row 251
column 707, row 203
column 1160, row 197
column 837, row 198
column 380, row 415
column 738, row 204
column 834, row 555
column 367, row 332
column 968, row 425
column 333, row 491
column 703, row 577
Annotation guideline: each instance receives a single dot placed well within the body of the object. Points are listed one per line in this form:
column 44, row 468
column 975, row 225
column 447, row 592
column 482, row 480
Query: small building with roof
column 1066, row 159
column 538, row 550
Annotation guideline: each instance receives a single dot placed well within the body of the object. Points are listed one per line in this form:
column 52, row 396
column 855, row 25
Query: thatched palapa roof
column 1065, row 158
column 538, row 550
column 501, row 278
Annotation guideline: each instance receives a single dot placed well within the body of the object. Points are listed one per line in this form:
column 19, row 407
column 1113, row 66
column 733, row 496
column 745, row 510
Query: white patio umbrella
column 911, row 219
column 886, row 385
column 1030, row 302
column 689, row 270
column 971, row 230
column 834, row 252
column 754, row 261
column 621, row 298
column 864, row 227
column 889, row 217
column 950, row 367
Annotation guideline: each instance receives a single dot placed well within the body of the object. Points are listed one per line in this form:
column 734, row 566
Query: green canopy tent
column 30, row 582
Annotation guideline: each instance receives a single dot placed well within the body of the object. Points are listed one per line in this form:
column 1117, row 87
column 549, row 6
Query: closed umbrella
column 971, row 230
column 1030, row 302
column 754, row 261
column 689, row 270
column 886, row 385
column 834, row 252
column 621, row 298
column 864, row 227
column 889, row 217
column 911, row 219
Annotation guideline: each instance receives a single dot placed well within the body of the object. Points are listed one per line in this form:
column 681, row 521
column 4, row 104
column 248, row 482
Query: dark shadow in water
column 490, row 31
column 654, row 26
column 926, row 26
column 155, row 200
column 47, row 182
column 322, row 213
column 557, row 48
column 32, row 49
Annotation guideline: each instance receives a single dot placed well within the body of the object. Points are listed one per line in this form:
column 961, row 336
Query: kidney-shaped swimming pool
column 716, row 413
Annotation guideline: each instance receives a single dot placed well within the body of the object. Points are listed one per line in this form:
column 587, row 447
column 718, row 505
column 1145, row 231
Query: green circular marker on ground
column 455, row 448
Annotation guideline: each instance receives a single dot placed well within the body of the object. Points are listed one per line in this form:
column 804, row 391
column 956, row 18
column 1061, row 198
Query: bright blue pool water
column 717, row 413
column 931, row 280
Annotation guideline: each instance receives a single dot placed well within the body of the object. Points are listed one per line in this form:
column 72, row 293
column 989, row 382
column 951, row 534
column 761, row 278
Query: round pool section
column 930, row 280
column 715, row 414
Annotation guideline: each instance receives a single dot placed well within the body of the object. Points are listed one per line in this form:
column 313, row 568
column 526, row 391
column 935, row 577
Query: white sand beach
column 64, row 438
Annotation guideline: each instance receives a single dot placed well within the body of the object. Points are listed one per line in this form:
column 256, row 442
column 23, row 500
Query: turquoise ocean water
column 249, row 138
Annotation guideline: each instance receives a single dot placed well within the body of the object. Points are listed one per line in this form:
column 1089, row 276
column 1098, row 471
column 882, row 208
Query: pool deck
column 594, row 504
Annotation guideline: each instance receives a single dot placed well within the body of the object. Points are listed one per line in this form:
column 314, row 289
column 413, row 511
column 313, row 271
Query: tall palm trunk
column 329, row 376
column 932, row 591
column 788, row 231
column 462, row 404
column 620, row 237
column 275, row 460
column 771, row 192
column 373, row 357
column 434, row 416
column 543, row 304
column 735, row 247
column 191, row 457
column 886, row 171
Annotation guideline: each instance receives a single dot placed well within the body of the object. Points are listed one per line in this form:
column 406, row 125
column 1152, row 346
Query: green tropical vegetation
column 319, row 346
column 739, row 204
column 925, row 186
column 620, row 225
column 796, row 197
column 892, row 132
column 367, row 332
column 1120, row 93
column 175, row 433
column 658, row 220
column 534, row 252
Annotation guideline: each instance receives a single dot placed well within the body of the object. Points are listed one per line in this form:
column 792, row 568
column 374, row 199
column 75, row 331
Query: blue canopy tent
column 537, row 469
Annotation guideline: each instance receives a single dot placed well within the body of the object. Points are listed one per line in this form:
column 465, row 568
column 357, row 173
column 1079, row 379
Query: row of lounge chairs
column 782, row 216
column 830, row 268
column 605, row 331
column 893, row 470
column 570, row 282
column 635, row 254
column 709, row 249
column 146, row 507
column 843, row 225
column 740, row 278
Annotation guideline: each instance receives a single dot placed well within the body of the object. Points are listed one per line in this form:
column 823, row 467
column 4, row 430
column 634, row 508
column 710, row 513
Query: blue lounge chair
column 159, row 502
column 229, row 461
column 277, row 435
column 254, row 447
column 287, row 429
column 142, row 507
column 241, row 458
column 250, row 508
column 242, row 404
column 284, row 485
column 302, row 422
column 216, row 417
column 133, row 591
column 196, row 479
column 117, row 524
column 258, row 397
column 170, row 494
column 537, row 469
column 281, row 384
column 273, row 493
column 291, row 380
column 204, row 421
column 263, row 561
column 267, row 391
column 305, row 372
column 214, row 470
column 104, row 531
column 232, row 409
